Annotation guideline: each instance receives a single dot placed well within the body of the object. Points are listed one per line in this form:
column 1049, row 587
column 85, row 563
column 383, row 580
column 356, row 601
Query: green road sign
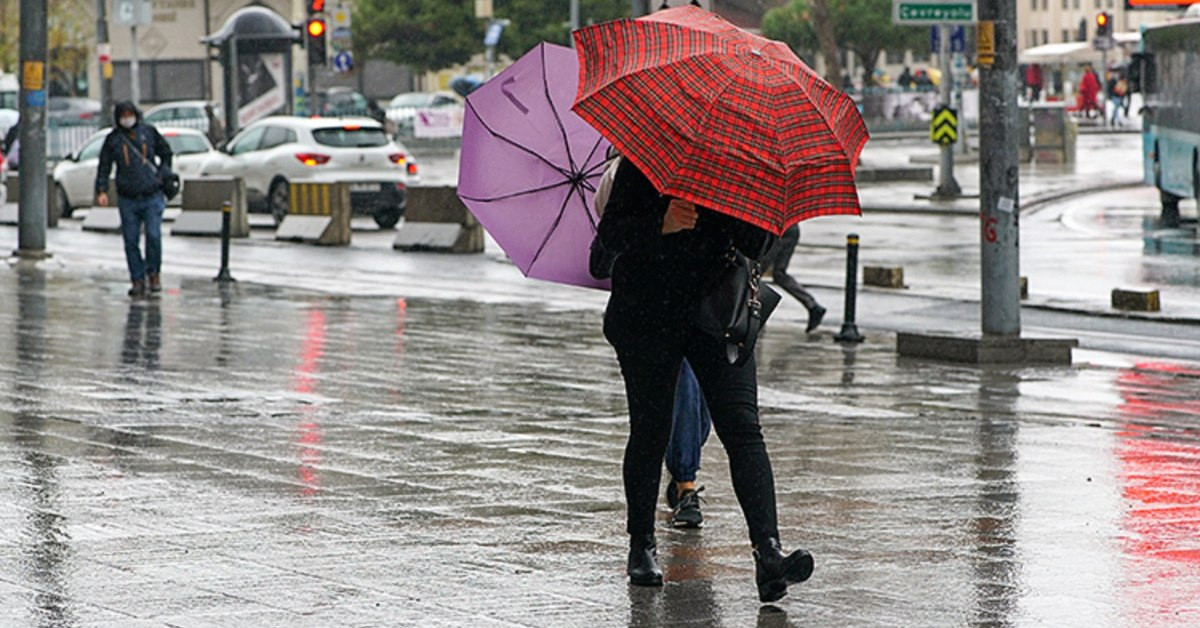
column 916, row 12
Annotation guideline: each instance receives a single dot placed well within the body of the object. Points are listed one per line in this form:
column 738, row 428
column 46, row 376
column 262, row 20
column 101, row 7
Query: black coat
column 135, row 178
column 658, row 280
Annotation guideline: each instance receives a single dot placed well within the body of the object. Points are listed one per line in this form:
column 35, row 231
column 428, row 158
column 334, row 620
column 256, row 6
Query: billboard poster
column 262, row 86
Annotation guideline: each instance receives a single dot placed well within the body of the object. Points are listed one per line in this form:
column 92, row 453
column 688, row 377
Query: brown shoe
column 138, row 289
column 155, row 283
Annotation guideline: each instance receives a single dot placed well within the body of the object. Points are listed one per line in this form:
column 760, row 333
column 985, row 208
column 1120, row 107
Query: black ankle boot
column 774, row 572
column 643, row 569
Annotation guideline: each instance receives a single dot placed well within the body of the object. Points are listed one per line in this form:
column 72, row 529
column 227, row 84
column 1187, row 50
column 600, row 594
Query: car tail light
column 412, row 168
column 312, row 159
column 87, row 115
column 397, row 158
column 352, row 127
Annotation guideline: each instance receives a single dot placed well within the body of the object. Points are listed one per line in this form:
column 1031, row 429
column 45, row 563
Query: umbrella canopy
column 720, row 117
column 529, row 166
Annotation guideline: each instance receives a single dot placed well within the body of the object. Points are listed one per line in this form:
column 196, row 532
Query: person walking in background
column 1089, row 91
column 668, row 255
column 133, row 146
column 1034, row 81
column 776, row 264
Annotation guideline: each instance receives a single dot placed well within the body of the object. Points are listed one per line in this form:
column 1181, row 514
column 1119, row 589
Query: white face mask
column 128, row 121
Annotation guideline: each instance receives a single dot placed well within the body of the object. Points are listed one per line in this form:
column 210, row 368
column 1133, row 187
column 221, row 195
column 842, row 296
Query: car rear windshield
column 343, row 137
column 187, row 144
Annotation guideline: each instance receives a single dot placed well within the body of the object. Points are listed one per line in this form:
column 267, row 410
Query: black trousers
column 778, row 259
column 650, row 370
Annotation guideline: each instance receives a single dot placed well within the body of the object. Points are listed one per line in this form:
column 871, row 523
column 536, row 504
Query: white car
column 402, row 110
column 75, row 176
column 275, row 151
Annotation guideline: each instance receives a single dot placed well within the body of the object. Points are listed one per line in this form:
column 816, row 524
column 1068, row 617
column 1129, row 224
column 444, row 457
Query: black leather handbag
column 738, row 307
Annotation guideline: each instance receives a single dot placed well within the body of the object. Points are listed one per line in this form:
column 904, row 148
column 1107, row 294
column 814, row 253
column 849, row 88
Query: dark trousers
column 136, row 213
column 651, row 371
column 778, row 259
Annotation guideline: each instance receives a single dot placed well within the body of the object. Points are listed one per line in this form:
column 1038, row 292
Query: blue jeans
column 146, row 211
column 690, row 429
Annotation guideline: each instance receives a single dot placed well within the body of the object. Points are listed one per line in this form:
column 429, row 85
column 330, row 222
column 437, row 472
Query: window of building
column 1075, row 4
column 1066, row 35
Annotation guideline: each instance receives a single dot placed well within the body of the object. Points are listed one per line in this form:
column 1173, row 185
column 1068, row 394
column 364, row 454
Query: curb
column 1035, row 202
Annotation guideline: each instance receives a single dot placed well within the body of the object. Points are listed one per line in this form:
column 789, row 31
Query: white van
column 9, row 88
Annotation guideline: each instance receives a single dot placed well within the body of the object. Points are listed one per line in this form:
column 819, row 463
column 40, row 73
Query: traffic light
column 315, row 34
column 1103, row 25
column 316, row 6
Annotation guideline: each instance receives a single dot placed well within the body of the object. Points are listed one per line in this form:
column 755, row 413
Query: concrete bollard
column 9, row 213
column 883, row 276
column 318, row 213
column 436, row 220
column 1135, row 300
column 203, row 203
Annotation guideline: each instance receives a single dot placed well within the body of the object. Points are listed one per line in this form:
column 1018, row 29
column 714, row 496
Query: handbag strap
column 137, row 152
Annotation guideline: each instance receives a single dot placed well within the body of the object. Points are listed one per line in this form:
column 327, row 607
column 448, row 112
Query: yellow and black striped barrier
column 318, row 213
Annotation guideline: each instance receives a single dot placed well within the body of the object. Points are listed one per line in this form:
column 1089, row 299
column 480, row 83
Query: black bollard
column 226, row 217
column 849, row 331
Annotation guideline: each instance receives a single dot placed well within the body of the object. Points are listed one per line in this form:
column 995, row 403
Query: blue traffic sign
column 493, row 33
column 343, row 61
column 958, row 39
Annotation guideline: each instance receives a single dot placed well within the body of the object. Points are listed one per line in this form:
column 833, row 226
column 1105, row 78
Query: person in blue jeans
column 689, row 431
column 134, row 146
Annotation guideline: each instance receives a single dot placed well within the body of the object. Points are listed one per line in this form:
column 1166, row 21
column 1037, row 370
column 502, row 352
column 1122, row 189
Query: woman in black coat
column 669, row 255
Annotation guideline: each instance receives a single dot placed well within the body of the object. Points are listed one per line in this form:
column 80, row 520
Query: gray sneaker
column 686, row 513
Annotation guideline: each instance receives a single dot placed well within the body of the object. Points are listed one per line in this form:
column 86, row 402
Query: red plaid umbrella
column 720, row 117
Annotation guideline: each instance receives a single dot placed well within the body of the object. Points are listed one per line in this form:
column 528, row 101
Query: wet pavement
column 270, row 456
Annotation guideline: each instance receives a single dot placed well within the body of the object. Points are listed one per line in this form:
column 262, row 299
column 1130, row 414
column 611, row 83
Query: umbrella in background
column 529, row 166
column 720, row 117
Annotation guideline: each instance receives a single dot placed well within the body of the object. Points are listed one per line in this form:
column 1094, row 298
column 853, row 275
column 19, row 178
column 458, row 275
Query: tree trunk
column 827, row 41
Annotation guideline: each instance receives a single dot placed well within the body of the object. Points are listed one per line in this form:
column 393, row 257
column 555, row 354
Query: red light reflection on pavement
column 1160, row 483
column 310, row 434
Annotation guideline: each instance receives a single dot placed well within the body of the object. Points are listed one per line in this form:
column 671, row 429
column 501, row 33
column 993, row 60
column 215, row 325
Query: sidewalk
column 276, row 457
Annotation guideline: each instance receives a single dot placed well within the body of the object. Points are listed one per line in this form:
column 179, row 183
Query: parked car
column 190, row 114
column 338, row 102
column 402, row 110
column 75, row 177
column 9, row 91
column 70, row 110
column 276, row 151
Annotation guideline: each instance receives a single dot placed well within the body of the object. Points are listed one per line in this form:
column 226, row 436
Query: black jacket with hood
column 135, row 178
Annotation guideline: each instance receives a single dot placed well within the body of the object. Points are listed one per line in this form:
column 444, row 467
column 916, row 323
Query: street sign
column 958, row 38
column 133, row 12
column 929, row 12
column 343, row 61
column 985, row 42
column 493, row 34
column 1103, row 43
column 943, row 128
column 340, row 17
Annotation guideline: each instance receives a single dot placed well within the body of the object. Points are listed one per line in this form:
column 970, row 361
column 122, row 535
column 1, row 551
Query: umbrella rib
column 553, row 227
column 557, row 119
column 506, row 197
column 553, row 165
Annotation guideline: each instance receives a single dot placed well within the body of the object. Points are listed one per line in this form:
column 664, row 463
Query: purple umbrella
column 529, row 166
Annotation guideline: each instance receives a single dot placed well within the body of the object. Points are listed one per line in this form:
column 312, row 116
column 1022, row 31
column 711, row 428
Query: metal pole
column 226, row 216
column 638, row 8
column 135, row 78
column 1103, row 74
column 849, row 332
column 947, row 186
column 32, row 210
column 998, row 175
column 106, row 100
column 574, row 19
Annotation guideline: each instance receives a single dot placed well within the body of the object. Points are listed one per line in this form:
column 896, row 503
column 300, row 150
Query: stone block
column 883, row 276
column 1135, row 300
column 318, row 213
column 986, row 349
column 203, row 197
column 106, row 219
column 437, row 204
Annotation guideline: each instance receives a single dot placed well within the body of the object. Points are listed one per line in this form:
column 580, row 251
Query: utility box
column 1054, row 134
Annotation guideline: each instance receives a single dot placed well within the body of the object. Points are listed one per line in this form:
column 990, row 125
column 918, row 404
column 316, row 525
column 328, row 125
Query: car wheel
column 387, row 219
column 277, row 200
column 64, row 203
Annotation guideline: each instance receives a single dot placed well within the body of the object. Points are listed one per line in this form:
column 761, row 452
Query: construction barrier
column 202, row 201
column 435, row 219
column 318, row 213
column 9, row 213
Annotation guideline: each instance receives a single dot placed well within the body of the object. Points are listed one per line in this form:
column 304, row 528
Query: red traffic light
column 316, row 28
column 1102, row 20
column 316, row 6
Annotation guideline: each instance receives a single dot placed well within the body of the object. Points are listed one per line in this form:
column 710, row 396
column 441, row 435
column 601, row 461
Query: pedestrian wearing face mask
column 142, row 157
